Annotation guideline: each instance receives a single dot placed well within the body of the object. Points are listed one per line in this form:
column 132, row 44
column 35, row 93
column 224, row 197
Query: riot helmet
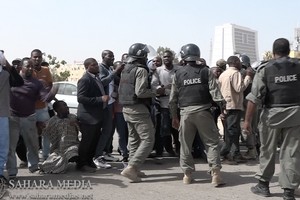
column 190, row 52
column 245, row 61
column 138, row 50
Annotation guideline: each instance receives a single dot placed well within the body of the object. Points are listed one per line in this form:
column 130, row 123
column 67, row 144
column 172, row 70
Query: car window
column 70, row 90
column 61, row 88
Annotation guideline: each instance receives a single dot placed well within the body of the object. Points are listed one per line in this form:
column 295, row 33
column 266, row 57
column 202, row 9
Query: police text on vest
column 287, row 78
column 192, row 81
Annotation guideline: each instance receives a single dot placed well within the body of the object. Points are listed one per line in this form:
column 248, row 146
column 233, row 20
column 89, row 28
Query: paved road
column 164, row 181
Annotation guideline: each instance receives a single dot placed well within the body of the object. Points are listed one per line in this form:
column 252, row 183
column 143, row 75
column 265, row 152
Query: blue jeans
column 42, row 115
column 107, row 133
column 4, row 142
column 122, row 130
column 26, row 126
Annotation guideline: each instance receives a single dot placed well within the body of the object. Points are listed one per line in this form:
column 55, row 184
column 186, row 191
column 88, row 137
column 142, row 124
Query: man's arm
column 251, row 108
column 173, row 104
column 142, row 89
column 255, row 98
column 238, row 83
column 156, row 84
column 15, row 80
column 105, row 76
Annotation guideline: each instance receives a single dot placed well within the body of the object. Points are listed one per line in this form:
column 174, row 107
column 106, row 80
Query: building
column 231, row 39
column 76, row 70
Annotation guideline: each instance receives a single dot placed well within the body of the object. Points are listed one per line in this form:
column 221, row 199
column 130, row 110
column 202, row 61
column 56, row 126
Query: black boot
column 167, row 141
column 262, row 189
column 288, row 194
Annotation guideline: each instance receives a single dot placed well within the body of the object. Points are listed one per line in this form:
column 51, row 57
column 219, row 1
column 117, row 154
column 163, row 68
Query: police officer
column 193, row 88
column 276, row 87
column 135, row 95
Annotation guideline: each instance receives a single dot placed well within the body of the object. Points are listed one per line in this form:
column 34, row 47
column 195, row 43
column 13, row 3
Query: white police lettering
column 287, row 78
column 192, row 81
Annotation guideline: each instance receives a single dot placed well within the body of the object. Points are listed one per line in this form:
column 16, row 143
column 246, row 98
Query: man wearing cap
column 222, row 64
column 193, row 89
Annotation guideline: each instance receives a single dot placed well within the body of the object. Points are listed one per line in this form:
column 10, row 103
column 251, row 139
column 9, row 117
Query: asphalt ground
column 163, row 182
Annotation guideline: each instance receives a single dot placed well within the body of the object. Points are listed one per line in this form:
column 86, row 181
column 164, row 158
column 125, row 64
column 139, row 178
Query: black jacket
column 90, row 108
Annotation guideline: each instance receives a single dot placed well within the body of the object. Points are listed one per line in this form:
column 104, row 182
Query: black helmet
column 245, row 60
column 190, row 52
column 138, row 50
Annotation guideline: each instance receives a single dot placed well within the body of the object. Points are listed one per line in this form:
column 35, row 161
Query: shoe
column 217, row 181
column 101, row 163
column 240, row 159
column 131, row 173
column 92, row 165
column 262, row 189
column 141, row 174
column 108, row 157
column 88, row 169
column 23, row 164
column 154, row 155
column 187, row 178
column 74, row 159
column 288, row 194
column 251, row 154
column 171, row 153
column 33, row 169
column 227, row 161
column 124, row 159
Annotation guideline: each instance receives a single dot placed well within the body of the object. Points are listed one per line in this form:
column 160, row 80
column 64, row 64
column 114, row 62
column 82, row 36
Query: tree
column 160, row 52
column 268, row 55
column 54, row 64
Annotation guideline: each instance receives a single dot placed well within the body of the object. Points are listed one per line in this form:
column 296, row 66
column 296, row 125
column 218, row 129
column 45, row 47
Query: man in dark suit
column 91, row 111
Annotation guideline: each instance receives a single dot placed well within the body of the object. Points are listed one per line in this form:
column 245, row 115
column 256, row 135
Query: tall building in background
column 295, row 45
column 231, row 39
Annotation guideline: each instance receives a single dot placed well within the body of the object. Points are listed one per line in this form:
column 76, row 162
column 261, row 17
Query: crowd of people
column 158, row 108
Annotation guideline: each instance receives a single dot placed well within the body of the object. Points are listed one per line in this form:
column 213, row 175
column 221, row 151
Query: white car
column 67, row 92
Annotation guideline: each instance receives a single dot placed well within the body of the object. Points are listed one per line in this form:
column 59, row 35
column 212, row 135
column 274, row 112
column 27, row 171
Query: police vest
column 192, row 84
column 282, row 77
column 126, row 89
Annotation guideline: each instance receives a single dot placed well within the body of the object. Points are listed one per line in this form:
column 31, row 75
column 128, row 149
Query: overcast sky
column 78, row 29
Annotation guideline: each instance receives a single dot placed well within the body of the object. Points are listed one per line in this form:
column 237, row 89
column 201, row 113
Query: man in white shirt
column 162, row 78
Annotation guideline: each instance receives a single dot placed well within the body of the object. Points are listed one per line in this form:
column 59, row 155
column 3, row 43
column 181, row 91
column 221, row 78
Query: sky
column 74, row 30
